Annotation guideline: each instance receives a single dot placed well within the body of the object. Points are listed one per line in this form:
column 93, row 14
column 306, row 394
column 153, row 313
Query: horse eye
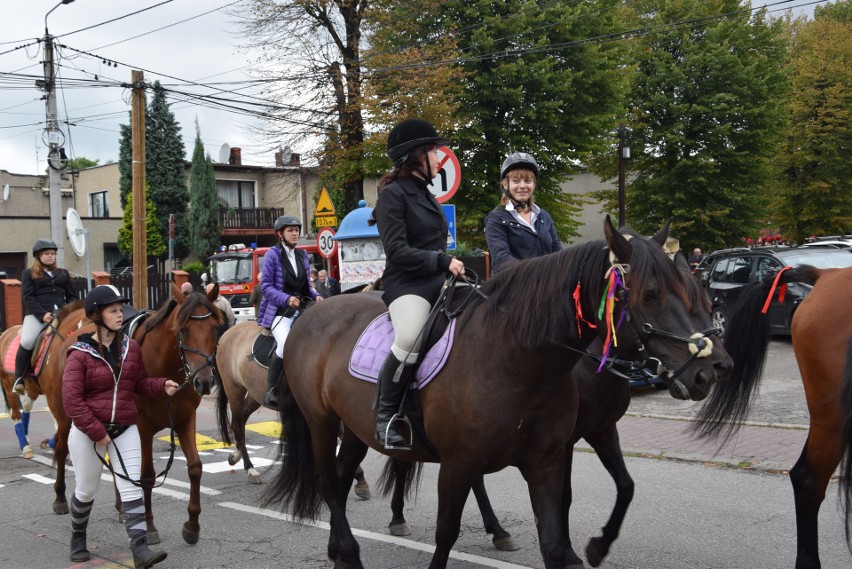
column 651, row 296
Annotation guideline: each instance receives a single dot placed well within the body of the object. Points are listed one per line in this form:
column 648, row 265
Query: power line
column 114, row 19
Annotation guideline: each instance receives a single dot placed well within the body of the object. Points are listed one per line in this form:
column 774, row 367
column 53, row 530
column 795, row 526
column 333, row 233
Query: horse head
column 667, row 316
column 195, row 323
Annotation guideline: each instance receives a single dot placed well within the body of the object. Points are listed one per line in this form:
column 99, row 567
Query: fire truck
column 237, row 267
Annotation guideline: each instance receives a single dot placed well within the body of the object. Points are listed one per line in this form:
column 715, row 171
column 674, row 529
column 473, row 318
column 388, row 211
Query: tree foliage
column 125, row 162
column 154, row 231
column 203, row 210
column 705, row 107
column 814, row 159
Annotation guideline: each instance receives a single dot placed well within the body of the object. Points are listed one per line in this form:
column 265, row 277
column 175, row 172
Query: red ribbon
column 781, row 292
column 578, row 311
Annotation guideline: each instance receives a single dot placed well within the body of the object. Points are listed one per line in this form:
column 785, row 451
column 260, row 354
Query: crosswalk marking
column 268, row 428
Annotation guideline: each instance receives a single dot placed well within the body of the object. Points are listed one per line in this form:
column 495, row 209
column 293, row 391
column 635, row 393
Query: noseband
column 210, row 359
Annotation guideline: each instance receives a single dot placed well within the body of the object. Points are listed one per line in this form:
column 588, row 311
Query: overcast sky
column 198, row 43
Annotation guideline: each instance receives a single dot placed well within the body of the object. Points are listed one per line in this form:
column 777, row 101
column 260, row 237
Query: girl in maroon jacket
column 103, row 373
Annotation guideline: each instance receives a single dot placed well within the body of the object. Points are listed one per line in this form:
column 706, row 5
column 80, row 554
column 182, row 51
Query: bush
column 196, row 267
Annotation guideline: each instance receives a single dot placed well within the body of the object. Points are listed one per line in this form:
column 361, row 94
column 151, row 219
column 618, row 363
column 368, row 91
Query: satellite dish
column 76, row 231
column 6, row 193
column 286, row 154
column 225, row 154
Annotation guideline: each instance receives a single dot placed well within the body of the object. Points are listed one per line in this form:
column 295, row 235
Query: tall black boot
column 390, row 395
column 79, row 522
column 137, row 533
column 276, row 370
column 22, row 364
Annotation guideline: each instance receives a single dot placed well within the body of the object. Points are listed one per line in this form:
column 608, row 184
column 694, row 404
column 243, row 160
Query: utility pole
column 55, row 139
column 140, row 223
column 623, row 155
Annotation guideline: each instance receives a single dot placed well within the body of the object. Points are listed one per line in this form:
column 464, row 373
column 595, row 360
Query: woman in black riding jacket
column 413, row 231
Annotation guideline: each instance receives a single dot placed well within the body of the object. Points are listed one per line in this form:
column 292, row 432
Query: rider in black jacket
column 413, row 231
column 45, row 288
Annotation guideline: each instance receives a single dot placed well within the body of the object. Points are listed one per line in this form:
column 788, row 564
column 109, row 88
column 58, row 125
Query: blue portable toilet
column 359, row 250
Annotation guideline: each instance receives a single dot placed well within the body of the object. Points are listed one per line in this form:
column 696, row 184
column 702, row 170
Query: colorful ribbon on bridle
column 782, row 291
column 606, row 310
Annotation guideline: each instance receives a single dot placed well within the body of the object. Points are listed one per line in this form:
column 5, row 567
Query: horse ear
column 213, row 293
column 617, row 243
column 680, row 260
column 662, row 234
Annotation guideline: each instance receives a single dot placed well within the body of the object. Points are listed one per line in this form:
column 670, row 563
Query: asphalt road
column 685, row 515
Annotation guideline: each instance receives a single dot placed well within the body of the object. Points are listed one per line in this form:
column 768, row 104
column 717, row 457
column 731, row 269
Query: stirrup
column 19, row 387
column 400, row 446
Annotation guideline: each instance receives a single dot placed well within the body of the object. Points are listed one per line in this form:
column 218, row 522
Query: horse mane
column 187, row 309
column 76, row 304
column 535, row 296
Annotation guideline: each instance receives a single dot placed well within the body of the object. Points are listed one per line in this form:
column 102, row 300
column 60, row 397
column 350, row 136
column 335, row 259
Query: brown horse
column 822, row 340
column 505, row 395
column 179, row 342
column 603, row 399
column 242, row 386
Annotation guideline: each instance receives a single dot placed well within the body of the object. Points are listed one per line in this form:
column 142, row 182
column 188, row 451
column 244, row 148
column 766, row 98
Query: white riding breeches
column 408, row 314
column 88, row 467
column 30, row 330
column 280, row 330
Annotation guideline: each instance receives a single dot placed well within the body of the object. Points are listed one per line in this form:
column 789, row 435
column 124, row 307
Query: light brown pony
column 822, row 340
column 179, row 342
column 242, row 386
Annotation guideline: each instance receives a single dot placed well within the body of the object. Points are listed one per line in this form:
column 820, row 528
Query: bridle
column 210, row 359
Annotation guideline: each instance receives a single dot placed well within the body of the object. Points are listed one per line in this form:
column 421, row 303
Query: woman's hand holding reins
column 104, row 441
column 171, row 387
column 456, row 267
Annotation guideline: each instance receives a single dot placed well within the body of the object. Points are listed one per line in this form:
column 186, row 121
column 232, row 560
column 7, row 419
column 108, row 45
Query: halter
column 210, row 359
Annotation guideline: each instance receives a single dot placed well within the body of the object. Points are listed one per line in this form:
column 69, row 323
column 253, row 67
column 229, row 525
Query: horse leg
column 398, row 526
column 546, row 481
column 60, row 456
column 502, row 540
column 342, row 547
column 810, row 477
column 454, row 486
column 349, row 456
column 186, row 432
column 241, row 410
column 573, row 560
column 608, row 450
column 146, row 478
column 362, row 488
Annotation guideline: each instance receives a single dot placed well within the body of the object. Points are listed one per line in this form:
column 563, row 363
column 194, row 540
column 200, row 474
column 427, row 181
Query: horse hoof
column 153, row 536
column 60, row 508
column 506, row 544
column 44, row 445
column 234, row 457
column 399, row 530
column 189, row 536
column 363, row 491
column 27, row 452
column 254, row 476
column 595, row 553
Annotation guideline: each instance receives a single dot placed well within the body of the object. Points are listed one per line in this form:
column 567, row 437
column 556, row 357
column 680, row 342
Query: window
column 99, row 204
column 739, row 270
column 764, row 266
column 235, row 194
column 719, row 270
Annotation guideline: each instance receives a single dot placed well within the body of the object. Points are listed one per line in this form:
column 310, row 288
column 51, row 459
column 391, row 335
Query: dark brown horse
column 822, row 340
column 604, row 398
column 505, row 396
column 179, row 342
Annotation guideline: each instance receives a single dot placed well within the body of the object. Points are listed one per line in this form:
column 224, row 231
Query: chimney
column 294, row 160
column 236, row 157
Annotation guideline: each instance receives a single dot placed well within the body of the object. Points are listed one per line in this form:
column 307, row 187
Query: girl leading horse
column 507, row 381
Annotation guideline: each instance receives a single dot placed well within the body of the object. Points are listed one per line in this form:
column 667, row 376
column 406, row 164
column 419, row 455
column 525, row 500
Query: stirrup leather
column 397, row 418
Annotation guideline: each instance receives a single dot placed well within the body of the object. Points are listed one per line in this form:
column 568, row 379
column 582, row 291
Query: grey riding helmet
column 286, row 221
column 517, row 160
column 43, row 245
column 408, row 135
column 100, row 296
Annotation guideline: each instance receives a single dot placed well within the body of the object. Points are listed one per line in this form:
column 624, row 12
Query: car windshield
column 234, row 270
column 828, row 259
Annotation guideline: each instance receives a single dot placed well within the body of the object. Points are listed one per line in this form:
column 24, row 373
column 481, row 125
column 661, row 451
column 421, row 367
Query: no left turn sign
column 445, row 184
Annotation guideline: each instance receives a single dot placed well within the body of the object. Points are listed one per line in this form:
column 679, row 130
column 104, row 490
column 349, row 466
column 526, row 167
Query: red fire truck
column 236, row 271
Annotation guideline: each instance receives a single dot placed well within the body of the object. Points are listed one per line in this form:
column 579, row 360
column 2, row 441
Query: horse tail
column 295, row 485
column 397, row 472
column 222, row 410
column 746, row 341
column 845, row 481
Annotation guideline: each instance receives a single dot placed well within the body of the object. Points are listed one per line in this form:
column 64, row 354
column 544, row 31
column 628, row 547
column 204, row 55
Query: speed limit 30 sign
column 325, row 242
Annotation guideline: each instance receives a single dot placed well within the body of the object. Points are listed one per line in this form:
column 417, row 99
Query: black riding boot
column 22, row 364
column 79, row 522
column 276, row 370
column 390, row 394
column 137, row 533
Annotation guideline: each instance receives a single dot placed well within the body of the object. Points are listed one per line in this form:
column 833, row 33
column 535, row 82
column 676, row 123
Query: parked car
column 728, row 271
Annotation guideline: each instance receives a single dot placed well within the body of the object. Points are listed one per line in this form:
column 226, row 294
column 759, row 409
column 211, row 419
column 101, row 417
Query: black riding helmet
column 43, row 245
column 100, row 296
column 408, row 135
column 286, row 221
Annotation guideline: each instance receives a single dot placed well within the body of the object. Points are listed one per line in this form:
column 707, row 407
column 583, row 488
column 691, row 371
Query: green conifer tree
column 203, row 209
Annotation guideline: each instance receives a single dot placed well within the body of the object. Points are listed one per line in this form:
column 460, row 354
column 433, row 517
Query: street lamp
column 55, row 139
column 623, row 155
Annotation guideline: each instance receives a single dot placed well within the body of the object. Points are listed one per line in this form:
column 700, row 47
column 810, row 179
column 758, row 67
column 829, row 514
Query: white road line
column 39, row 478
column 171, row 493
column 484, row 561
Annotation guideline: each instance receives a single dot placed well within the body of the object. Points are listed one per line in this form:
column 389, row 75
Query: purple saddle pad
column 374, row 346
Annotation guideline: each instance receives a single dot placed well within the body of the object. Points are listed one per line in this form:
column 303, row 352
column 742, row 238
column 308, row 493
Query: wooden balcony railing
column 249, row 218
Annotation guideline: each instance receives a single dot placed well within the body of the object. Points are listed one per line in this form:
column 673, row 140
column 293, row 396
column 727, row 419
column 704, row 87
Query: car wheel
column 720, row 320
